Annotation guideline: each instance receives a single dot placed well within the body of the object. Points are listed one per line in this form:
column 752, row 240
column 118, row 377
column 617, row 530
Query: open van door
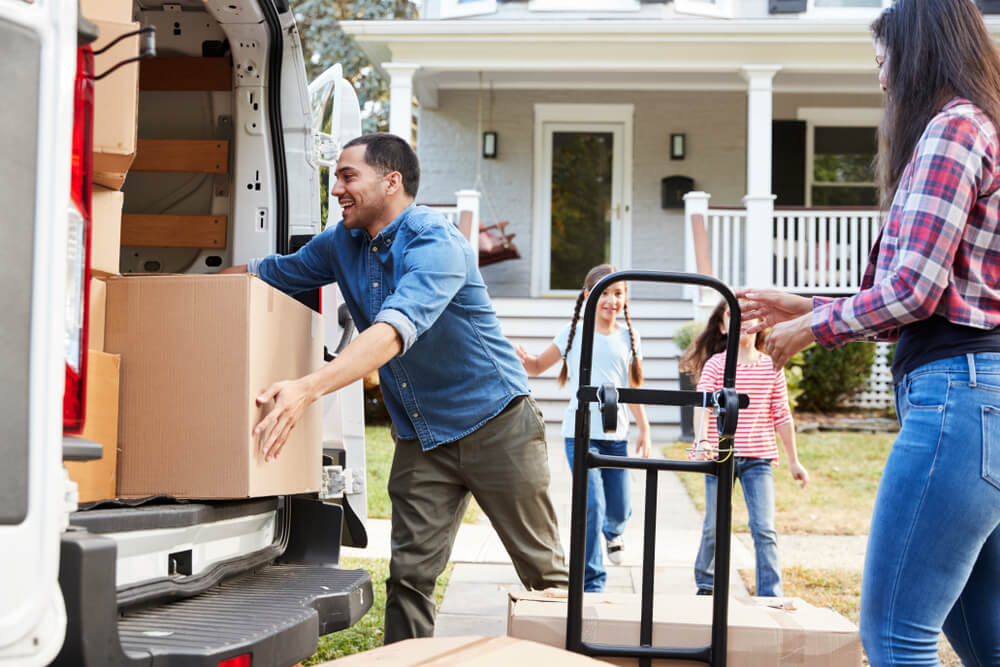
column 38, row 45
column 336, row 120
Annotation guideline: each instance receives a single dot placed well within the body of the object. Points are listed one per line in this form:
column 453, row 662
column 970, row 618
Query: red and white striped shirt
column 755, row 437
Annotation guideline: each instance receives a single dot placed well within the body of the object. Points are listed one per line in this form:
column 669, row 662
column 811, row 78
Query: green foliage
column 686, row 333
column 325, row 44
column 830, row 377
column 793, row 378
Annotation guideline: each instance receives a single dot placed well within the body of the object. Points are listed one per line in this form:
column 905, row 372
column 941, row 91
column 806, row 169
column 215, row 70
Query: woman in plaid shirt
column 933, row 285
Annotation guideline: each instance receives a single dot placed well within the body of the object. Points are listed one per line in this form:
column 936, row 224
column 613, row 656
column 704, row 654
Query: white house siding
column 714, row 122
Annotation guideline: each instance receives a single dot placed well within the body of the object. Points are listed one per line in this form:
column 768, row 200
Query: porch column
column 401, row 98
column 468, row 200
column 695, row 213
column 759, row 201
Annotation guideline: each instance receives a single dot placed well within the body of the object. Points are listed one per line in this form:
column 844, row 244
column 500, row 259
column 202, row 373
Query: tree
column 325, row 44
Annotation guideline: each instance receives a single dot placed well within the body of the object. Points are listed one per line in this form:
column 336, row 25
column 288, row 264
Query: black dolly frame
column 727, row 404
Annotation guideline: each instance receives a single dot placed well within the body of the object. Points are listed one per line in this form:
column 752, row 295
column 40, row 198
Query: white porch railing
column 465, row 200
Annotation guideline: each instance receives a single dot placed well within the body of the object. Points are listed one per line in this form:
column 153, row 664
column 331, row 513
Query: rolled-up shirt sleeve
column 402, row 324
column 434, row 269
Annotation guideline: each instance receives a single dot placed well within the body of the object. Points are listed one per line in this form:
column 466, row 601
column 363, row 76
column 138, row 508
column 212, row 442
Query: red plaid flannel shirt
column 938, row 252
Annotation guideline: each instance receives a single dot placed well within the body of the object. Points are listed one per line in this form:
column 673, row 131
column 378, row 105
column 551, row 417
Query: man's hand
column 240, row 268
column 291, row 398
column 788, row 338
column 799, row 473
column 770, row 307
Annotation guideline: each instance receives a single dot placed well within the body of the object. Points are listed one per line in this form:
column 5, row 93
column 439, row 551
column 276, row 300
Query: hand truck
column 727, row 403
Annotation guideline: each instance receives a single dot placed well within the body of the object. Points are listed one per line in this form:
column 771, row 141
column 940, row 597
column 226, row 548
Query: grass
column 367, row 633
column 838, row 589
column 378, row 458
column 844, row 470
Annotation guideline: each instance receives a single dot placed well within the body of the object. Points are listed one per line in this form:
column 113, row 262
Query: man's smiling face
column 360, row 189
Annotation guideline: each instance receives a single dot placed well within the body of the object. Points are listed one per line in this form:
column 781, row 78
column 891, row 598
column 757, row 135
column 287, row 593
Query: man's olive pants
column 504, row 464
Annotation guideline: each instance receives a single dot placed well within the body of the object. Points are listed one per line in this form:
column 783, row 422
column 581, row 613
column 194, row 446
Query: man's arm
column 375, row 346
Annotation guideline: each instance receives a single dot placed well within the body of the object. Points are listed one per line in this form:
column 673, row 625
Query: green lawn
column 378, row 455
column 366, row 634
column 844, row 469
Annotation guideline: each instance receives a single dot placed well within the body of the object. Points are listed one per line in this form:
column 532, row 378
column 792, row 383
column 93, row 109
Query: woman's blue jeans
column 933, row 558
column 757, row 480
column 609, row 506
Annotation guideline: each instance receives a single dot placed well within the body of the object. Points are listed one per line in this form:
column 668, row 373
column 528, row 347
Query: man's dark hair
column 387, row 153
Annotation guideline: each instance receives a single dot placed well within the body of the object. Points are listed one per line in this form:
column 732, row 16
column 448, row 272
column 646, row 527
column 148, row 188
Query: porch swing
column 495, row 244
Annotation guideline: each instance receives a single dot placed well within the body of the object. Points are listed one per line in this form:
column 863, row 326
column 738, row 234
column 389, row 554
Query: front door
column 583, row 210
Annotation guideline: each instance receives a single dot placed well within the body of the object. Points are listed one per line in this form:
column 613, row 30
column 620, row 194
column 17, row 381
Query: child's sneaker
column 616, row 550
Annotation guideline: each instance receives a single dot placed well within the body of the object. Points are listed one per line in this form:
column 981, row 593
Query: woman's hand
column 787, row 338
column 770, row 307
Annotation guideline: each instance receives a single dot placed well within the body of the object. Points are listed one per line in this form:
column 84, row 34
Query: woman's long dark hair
column 936, row 49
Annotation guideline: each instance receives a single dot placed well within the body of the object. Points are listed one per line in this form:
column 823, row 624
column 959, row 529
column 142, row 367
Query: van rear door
column 38, row 55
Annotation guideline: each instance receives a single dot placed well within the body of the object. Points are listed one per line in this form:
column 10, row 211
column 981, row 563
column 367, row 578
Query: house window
column 842, row 166
column 847, row 7
column 452, row 9
column 584, row 5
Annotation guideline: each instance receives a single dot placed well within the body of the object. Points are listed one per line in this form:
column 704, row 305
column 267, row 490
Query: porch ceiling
column 681, row 54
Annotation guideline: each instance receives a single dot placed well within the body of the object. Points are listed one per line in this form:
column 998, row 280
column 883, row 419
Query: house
column 584, row 122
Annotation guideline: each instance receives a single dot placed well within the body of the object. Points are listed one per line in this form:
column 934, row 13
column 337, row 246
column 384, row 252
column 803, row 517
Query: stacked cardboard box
column 470, row 651
column 196, row 352
column 116, row 100
column 763, row 632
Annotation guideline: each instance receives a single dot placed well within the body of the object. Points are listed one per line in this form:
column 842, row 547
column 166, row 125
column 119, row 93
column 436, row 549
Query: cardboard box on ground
column 96, row 480
column 471, row 651
column 196, row 352
column 116, row 103
column 759, row 635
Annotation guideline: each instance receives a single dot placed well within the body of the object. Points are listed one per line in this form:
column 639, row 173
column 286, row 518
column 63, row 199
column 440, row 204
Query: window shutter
column 788, row 162
column 786, row 6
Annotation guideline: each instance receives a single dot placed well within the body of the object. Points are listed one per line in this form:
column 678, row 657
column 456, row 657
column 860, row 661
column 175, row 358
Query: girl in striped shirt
column 756, row 450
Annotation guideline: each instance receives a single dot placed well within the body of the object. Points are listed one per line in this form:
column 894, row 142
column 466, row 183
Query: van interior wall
column 181, row 115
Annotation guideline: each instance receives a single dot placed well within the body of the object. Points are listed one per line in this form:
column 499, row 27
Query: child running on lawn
column 755, row 448
column 616, row 359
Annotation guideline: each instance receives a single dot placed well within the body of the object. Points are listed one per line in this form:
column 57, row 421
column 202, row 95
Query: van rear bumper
column 276, row 613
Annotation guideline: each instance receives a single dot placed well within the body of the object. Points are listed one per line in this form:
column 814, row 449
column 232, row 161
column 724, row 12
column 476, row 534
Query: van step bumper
column 276, row 614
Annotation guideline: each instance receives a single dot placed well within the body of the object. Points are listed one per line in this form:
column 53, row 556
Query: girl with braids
column 616, row 359
column 933, row 285
column 754, row 445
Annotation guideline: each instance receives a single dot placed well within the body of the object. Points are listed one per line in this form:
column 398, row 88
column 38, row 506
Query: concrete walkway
column 475, row 602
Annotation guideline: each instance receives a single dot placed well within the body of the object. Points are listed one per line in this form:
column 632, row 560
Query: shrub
column 830, row 377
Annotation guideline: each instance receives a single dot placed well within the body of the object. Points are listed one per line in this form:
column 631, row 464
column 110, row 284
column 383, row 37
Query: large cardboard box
column 762, row 631
column 105, row 231
column 97, row 314
column 116, row 104
column 196, row 353
column 461, row 651
column 96, row 480
column 119, row 11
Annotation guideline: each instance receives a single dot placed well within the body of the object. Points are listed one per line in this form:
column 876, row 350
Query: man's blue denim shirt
column 456, row 370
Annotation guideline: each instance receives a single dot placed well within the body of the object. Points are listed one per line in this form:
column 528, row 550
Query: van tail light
column 78, row 244
column 239, row 661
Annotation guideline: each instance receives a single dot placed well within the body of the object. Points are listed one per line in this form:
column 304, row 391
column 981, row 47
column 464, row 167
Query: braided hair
column 635, row 367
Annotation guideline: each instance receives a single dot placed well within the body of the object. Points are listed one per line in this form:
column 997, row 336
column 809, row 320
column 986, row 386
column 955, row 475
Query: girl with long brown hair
column 616, row 359
column 754, row 446
column 933, row 285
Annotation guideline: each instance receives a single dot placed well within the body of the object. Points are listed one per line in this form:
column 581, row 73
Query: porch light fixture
column 677, row 144
column 490, row 145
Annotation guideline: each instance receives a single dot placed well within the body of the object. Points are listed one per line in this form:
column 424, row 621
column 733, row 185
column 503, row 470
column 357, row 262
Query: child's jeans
column 933, row 557
column 609, row 506
column 757, row 479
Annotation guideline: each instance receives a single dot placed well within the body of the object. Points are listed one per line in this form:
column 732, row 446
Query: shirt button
column 403, row 385
column 416, row 414
column 374, row 248
column 375, row 284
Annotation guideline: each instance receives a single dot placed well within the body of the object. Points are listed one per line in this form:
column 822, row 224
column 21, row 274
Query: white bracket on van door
column 337, row 481
column 345, row 116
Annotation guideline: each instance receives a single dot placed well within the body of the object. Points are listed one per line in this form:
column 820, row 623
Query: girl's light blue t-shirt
column 610, row 362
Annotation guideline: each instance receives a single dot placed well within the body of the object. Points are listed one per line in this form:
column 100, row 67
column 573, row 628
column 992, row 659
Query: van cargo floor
column 275, row 614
